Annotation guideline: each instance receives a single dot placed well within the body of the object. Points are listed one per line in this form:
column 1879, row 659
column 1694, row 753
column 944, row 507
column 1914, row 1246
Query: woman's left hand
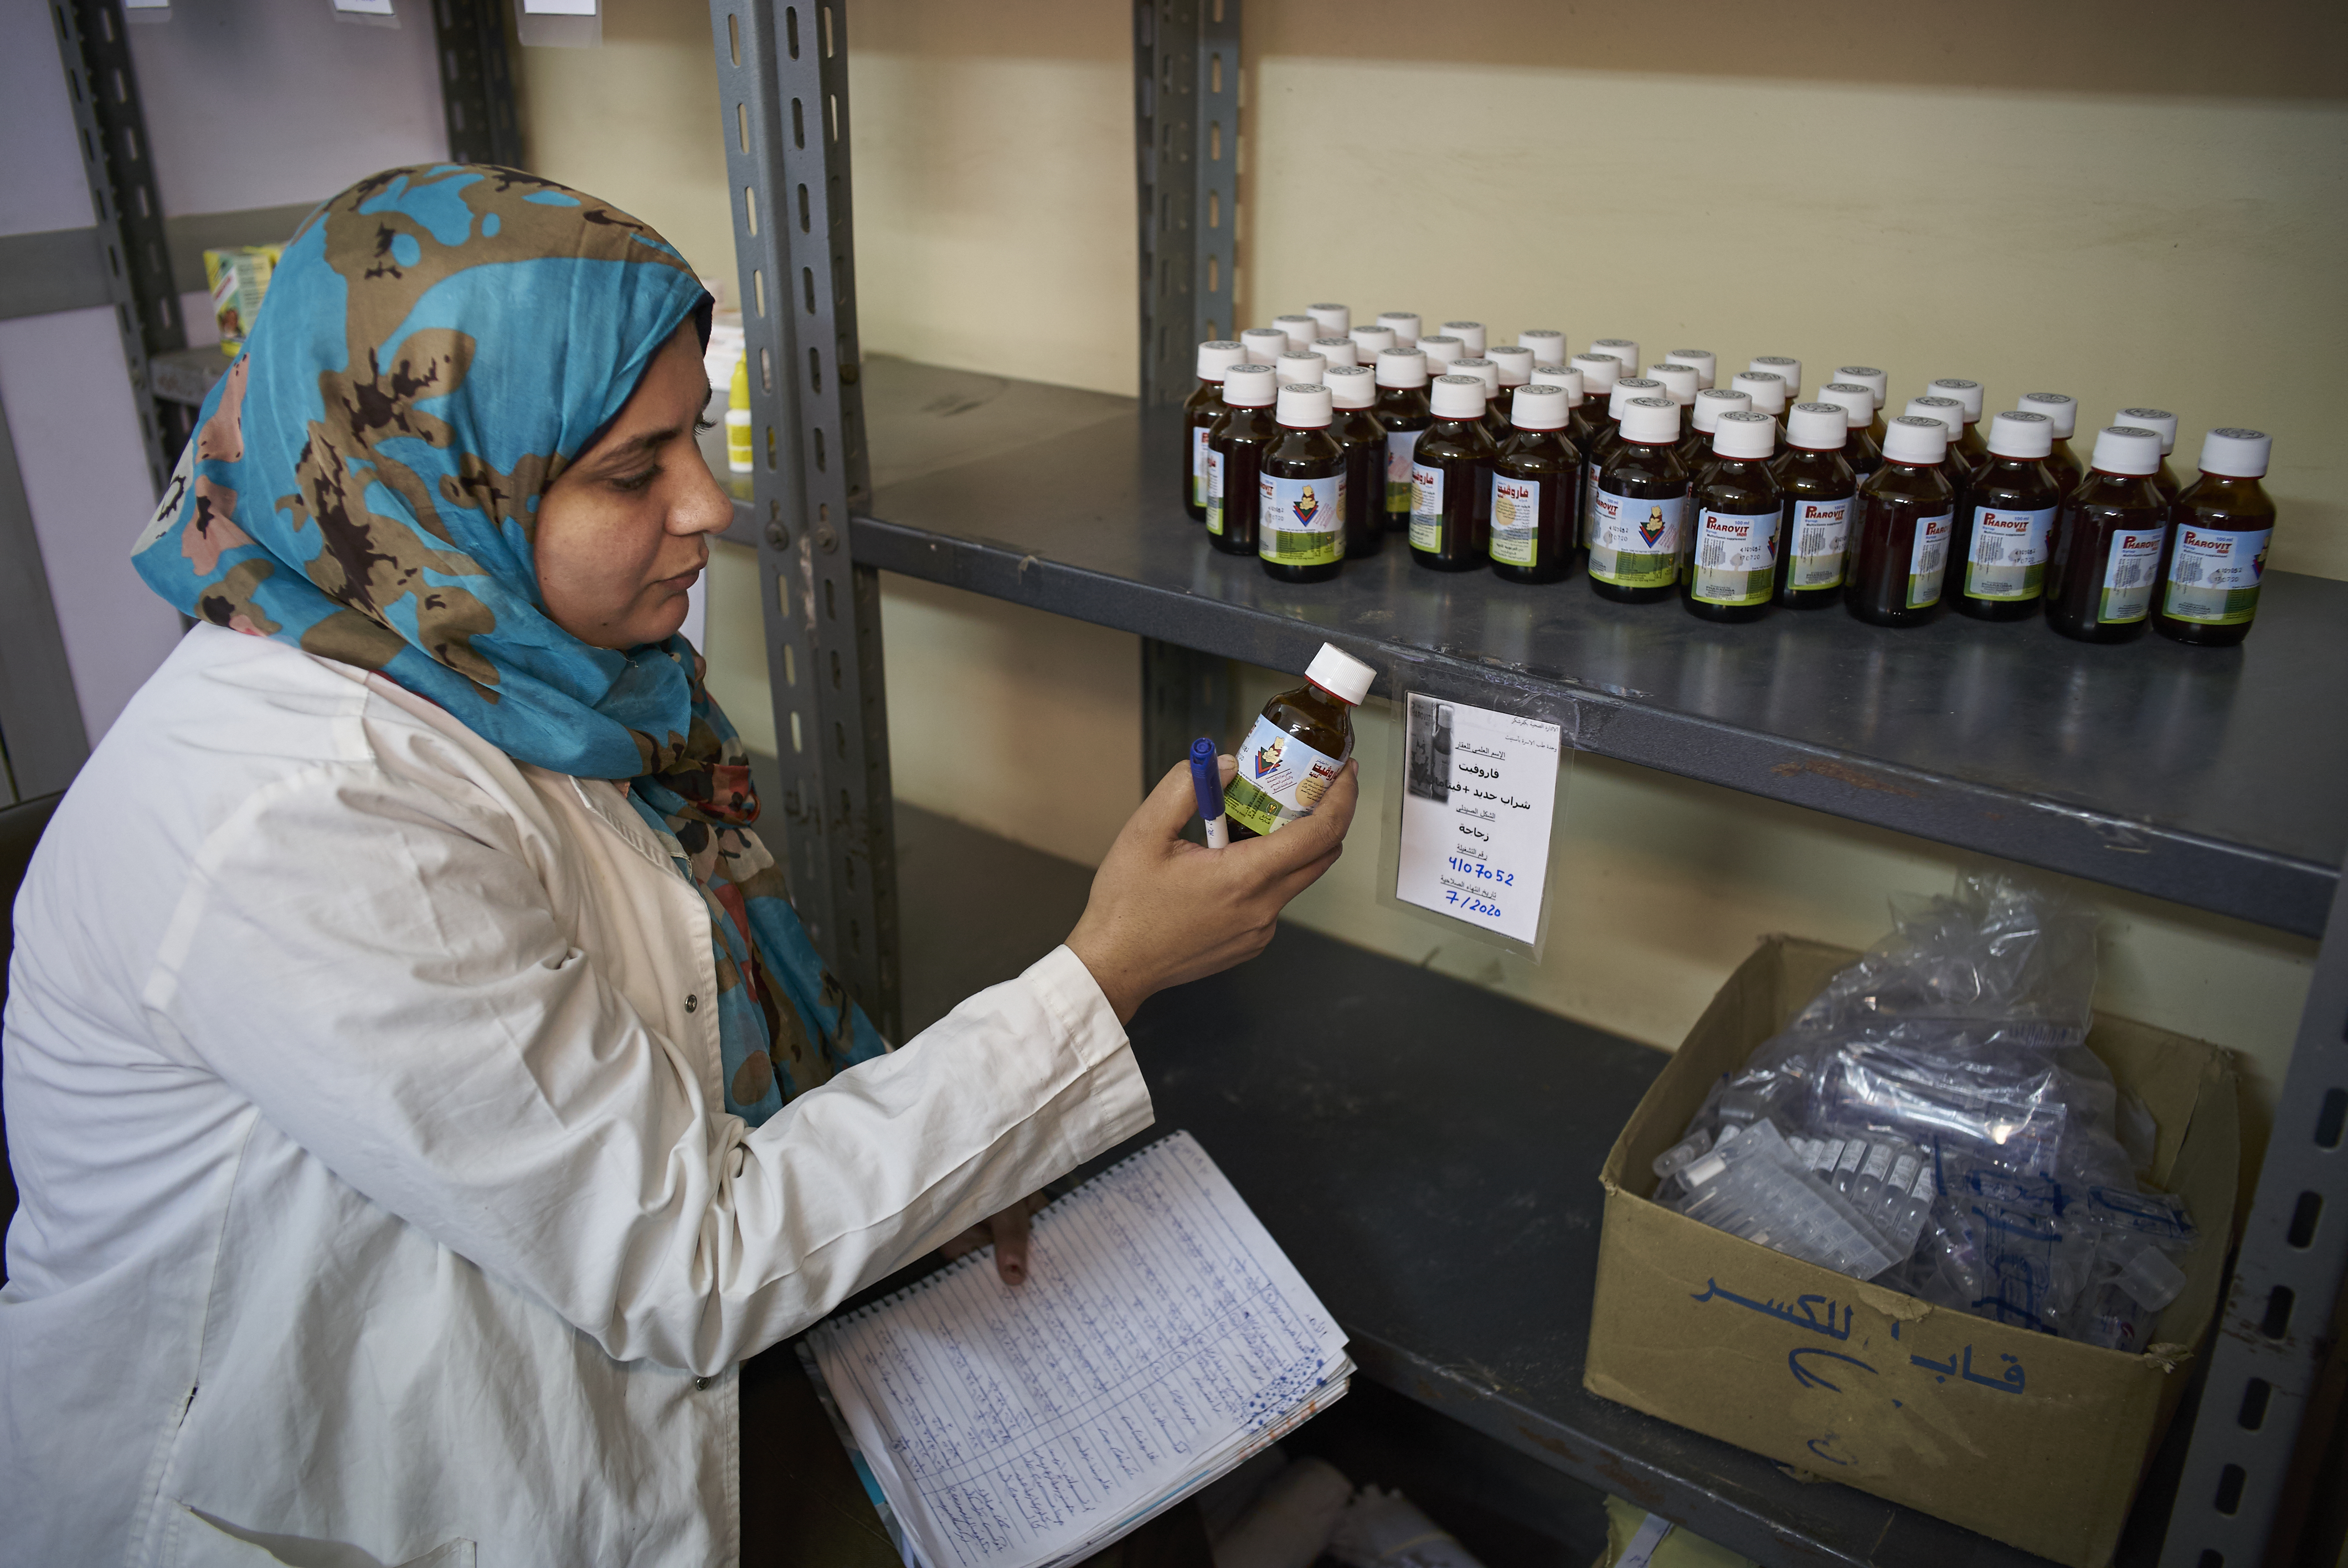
column 1008, row 1231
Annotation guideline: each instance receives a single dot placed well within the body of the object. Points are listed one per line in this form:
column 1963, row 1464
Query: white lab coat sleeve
column 378, row 968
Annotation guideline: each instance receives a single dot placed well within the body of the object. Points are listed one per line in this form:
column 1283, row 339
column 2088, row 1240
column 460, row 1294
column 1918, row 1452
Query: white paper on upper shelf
column 1479, row 793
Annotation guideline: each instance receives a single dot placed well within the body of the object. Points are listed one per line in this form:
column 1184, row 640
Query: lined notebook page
column 1160, row 1336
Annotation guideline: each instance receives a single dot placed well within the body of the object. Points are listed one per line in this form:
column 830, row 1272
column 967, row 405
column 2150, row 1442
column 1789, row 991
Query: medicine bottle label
column 2009, row 553
column 1199, row 450
column 1279, row 779
column 1928, row 560
column 1425, row 506
column 1735, row 556
column 1819, row 537
column 2213, row 578
column 1402, row 447
column 1635, row 543
column 1589, row 505
column 1214, row 491
column 2128, row 574
column 1304, row 520
column 1516, row 518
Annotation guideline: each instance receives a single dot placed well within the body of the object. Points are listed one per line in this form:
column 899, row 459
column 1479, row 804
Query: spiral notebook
column 1161, row 1339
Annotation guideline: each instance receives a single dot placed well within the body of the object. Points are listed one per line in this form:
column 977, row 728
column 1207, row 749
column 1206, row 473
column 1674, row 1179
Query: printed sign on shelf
column 1480, row 790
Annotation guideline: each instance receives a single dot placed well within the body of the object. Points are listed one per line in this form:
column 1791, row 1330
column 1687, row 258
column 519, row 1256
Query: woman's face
column 620, row 535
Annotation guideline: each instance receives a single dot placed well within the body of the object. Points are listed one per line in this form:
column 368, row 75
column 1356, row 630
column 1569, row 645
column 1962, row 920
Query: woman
column 422, row 1093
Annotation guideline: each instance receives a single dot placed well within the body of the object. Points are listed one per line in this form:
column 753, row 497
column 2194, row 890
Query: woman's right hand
column 1164, row 910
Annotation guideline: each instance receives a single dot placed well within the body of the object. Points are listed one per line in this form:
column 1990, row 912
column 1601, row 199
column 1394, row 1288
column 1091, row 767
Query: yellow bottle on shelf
column 738, row 450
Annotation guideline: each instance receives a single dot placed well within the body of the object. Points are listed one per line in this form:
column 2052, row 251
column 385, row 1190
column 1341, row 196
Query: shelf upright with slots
column 2206, row 781
column 782, row 81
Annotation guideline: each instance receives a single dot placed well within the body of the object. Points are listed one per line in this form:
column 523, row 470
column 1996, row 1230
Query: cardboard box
column 2034, row 1441
column 239, row 280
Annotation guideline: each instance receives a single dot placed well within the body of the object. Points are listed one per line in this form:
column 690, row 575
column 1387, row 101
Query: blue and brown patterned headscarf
column 438, row 343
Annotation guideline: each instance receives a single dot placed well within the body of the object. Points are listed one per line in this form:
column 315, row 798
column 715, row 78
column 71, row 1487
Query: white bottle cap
column 1335, row 321
column 2126, row 450
column 1540, row 405
column 1742, row 433
column 1622, row 348
column 1967, row 392
column 1404, row 325
column 1627, row 387
column 1373, row 342
column 1653, row 420
column 2058, row 406
column 2236, row 453
column 1516, row 363
column 1681, row 381
column 1487, row 371
column 1853, row 397
column 1250, row 386
column 1441, row 349
column 1218, row 356
column 1306, row 367
column 1766, row 386
column 1304, row 406
column 1913, row 439
column 1785, row 366
column 1401, row 367
column 1469, row 332
column 1340, row 674
column 1599, row 373
column 1568, row 378
column 1947, row 410
column 1712, row 402
column 2018, row 433
column 1546, row 342
column 1706, row 362
column 1459, row 397
column 1352, row 385
column 1265, row 344
column 1336, row 350
column 1817, row 426
column 1878, row 382
column 2158, row 420
column 1301, row 330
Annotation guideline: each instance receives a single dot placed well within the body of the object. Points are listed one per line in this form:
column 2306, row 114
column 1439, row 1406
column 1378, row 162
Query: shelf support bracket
column 2276, row 1328
column 1186, row 142
column 95, row 48
column 476, row 96
column 782, row 81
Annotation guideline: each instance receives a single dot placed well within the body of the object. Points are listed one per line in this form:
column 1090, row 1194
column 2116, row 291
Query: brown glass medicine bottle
column 2217, row 553
column 1536, row 484
column 1234, row 456
column 2163, row 424
column 1820, row 492
column 2000, row 572
column 1859, row 447
column 1402, row 409
column 1199, row 412
column 1730, row 563
column 1301, row 527
column 1353, row 396
column 1450, row 480
column 2105, row 563
column 1969, row 446
column 1953, row 467
column 2063, row 465
column 1640, row 507
column 1704, row 418
column 1297, row 747
column 1878, row 383
column 1900, row 544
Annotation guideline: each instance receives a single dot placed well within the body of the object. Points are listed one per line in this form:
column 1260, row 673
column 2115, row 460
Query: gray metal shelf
column 2206, row 776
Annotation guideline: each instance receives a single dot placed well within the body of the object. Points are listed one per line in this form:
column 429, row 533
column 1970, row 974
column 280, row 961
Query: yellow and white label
column 1279, row 779
column 2128, row 574
column 1304, row 520
column 2213, row 578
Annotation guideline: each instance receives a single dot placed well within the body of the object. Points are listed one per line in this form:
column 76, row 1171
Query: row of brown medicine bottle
column 1709, row 497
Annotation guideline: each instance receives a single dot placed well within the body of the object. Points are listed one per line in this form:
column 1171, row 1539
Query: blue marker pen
column 1207, row 779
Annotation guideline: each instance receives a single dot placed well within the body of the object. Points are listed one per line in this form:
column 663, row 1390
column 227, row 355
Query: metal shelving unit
column 2207, row 779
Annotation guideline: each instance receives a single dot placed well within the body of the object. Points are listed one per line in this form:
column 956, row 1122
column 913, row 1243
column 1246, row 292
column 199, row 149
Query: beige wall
column 2133, row 204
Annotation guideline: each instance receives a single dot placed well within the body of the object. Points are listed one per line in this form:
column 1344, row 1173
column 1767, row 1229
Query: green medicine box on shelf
column 2036, row 1441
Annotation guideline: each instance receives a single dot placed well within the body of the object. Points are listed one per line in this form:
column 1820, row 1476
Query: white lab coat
column 380, row 1205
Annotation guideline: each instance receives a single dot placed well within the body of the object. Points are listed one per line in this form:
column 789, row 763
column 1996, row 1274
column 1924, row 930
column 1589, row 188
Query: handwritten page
column 1479, row 789
column 1160, row 1339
